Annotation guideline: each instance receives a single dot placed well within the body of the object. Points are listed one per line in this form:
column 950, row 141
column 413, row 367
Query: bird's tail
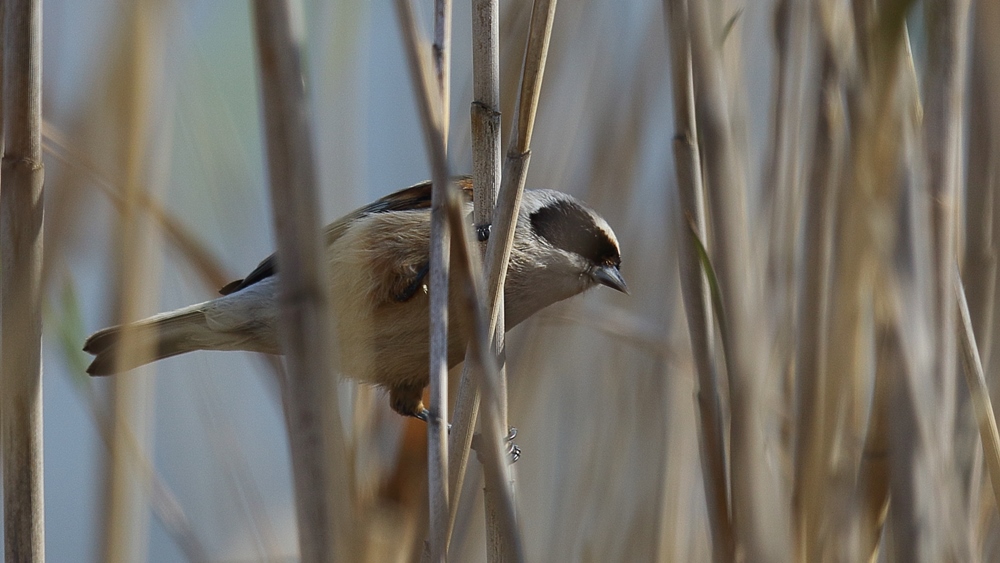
column 148, row 340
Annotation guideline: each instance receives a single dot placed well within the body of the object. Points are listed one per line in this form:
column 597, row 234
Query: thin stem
column 126, row 525
column 467, row 268
column 947, row 22
column 742, row 338
column 975, row 378
column 501, row 240
column 440, row 252
column 324, row 491
column 20, row 295
column 694, row 286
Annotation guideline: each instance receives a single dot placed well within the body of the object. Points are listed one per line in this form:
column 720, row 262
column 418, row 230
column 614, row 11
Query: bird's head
column 562, row 248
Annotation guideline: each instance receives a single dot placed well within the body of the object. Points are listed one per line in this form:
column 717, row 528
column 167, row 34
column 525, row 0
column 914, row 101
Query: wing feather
column 413, row 198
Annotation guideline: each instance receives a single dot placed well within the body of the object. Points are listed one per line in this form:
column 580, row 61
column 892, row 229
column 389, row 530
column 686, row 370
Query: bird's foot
column 425, row 415
column 513, row 450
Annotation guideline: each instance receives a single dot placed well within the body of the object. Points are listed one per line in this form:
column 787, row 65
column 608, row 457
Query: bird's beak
column 611, row 277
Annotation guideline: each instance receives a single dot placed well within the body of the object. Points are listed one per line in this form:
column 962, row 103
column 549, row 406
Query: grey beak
column 611, row 277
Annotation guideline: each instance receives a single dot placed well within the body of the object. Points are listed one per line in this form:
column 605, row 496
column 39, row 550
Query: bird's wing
column 412, row 198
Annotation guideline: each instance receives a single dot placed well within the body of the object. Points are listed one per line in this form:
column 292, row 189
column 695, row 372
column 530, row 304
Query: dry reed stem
column 486, row 182
column 504, row 220
column 944, row 93
column 814, row 301
column 925, row 497
column 440, row 252
column 468, row 271
column 781, row 186
column 505, row 216
column 3, row 44
column 205, row 264
column 943, row 102
column 20, row 291
column 162, row 501
column 126, row 525
column 754, row 490
column 785, row 186
column 867, row 198
column 486, row 163
column 979, row 263
column 324, row 491
column 980, row 394
column 874, row 469
column 694, row 286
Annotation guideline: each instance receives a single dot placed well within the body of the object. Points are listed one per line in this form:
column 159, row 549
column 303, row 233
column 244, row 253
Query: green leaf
column 70, row 334
column 713, row 281
column 726, row 29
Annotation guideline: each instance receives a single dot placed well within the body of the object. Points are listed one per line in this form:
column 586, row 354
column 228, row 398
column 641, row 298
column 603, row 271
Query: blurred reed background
column 849, row 159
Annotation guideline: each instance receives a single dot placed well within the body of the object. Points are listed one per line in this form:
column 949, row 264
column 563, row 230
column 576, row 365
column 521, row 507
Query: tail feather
column 152, row 339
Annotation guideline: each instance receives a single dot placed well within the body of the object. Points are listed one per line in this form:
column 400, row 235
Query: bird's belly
column 390, row 347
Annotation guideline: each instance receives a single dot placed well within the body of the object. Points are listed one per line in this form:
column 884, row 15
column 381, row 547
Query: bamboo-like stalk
column 126, row 524
column 205, row 264
column 980, row 393
column 162, row 501
column 486, row 178
column 924, row 500
column 980, row 261
column 694, row 285
column 814, row 304
column 742, row 338
column 486, row 163
column 440, row 252
column 324, row 492
column 947, row 24
column 874, row 467
column 20, row 296
column 504, row 220
column 468, row 271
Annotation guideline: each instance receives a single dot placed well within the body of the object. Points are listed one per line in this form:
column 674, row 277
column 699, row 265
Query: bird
column 378, row 259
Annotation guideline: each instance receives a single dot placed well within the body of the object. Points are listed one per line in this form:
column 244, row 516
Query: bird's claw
column 425, row 415
column 513, row 450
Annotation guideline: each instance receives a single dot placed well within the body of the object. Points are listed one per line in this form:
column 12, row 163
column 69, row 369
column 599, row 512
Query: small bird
column 378, row 264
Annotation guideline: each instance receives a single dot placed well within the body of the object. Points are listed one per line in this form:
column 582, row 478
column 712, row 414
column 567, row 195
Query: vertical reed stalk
column 813, row 303
column 486, row 162
column 694, row 284
column 515, row 171
column 979, row 264
column 324, row 492
column 752, row 486
column 947, row 23
column 135, row 290
column 20, row 293
column 470, row 303
column 976, row 380
column 440, row 252
column 486, row 183
column 498, row 254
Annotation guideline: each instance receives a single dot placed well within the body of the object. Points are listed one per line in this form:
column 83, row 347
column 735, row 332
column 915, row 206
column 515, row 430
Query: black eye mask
column 567, row 225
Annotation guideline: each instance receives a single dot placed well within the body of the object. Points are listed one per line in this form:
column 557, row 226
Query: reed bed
column 805, row 197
